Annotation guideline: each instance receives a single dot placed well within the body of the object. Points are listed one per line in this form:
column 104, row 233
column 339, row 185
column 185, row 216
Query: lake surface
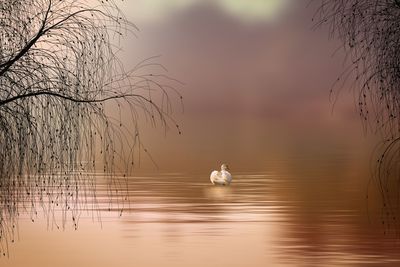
column 299, row 211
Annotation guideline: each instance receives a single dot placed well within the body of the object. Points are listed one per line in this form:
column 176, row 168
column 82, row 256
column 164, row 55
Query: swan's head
column 224, row 167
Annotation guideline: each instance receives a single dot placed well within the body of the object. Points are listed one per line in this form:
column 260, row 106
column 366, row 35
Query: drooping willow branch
column 370, row 33
column 72, row 99
column 63, row 89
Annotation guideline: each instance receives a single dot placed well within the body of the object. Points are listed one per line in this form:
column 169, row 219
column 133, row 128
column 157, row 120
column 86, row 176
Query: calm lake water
column 306, row 211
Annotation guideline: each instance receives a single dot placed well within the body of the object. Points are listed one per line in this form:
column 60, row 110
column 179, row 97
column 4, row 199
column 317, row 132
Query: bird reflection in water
column 219, row 193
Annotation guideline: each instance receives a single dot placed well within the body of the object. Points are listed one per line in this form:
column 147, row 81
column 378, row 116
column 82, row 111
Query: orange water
column 299, row 211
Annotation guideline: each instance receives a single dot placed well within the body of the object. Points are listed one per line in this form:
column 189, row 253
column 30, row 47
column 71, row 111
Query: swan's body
column 222, row 177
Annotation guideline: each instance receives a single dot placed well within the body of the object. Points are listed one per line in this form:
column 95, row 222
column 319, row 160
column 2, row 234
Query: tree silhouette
column 370, row 33
column 60, row 79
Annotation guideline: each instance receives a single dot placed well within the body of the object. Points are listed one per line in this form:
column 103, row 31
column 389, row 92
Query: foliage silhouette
column 370, row 33
column 60, row 79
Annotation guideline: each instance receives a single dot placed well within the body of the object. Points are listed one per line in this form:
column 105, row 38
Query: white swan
column 222, row 177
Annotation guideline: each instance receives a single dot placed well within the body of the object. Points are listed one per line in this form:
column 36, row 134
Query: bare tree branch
column 63, row 88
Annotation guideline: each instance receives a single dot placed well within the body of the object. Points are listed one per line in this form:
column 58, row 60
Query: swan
column 222, row 177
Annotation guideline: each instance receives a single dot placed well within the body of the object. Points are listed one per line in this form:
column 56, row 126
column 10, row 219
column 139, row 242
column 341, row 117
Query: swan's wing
column 217, row 177
column 214, row 176
column 227, row 176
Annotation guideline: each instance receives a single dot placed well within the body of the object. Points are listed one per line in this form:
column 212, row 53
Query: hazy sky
column 255, row 10
column 257, row 79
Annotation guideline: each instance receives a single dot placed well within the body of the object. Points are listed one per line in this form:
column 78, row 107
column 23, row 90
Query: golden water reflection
column 290, row 215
